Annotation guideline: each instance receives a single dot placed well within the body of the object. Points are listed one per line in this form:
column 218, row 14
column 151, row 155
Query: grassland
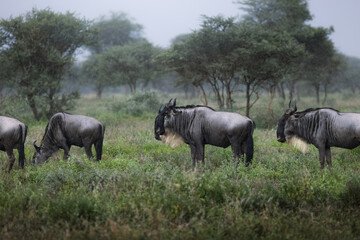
column 143, row 189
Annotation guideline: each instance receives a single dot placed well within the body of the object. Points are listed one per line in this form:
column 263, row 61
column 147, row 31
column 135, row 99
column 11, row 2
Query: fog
column 163, row 20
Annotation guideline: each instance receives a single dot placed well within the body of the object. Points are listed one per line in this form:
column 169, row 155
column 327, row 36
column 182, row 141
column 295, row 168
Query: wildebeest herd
column 194, row 125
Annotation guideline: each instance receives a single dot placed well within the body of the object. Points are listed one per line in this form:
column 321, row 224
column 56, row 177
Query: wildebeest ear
column 295, row 108
column 36, row 147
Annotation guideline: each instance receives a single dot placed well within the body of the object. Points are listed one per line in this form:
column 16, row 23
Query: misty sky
column 165, row 19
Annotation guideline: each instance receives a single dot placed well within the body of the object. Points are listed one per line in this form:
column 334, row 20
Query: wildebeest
column 12, row 135
column 65, row 130
column 200, row 125
column 322, row 127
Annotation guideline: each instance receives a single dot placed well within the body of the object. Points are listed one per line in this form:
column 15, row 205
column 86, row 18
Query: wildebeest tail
column 21, row 148
column 250, row 143
column 99, row 143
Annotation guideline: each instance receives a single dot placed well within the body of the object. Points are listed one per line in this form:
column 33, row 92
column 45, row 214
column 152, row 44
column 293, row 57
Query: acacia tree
column 291, row 16
column 130, row 64
column 281, row 16
column 96, row 70
column 320, row 56
column 264, row 57
column 206, row 56
column 116, row 30
column 39, row 48
column 225, row 54
column 349, row 76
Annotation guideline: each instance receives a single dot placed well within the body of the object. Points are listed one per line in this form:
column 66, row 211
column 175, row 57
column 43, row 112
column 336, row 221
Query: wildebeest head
column 163, row 114
column 285, row 127
column 38, row 156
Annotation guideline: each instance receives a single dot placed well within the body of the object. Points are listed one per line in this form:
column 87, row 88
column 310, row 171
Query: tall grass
column 143, row 189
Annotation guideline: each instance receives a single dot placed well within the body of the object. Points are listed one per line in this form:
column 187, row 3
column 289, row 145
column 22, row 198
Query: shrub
column 351, row 194
column 138, row 103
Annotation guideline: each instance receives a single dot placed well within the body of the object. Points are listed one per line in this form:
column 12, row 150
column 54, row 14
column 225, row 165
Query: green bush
column 351, row 194
column 138, row 103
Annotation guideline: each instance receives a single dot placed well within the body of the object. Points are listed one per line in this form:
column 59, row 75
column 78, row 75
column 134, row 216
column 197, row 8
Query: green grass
column 143, row 189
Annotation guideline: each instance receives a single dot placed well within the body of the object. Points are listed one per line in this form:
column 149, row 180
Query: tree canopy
column 38, row 48
column 225, row 54
column 116, row 30
column 129, row 65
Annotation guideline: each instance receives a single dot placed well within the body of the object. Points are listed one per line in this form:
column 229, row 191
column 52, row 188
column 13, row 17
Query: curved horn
column 160, row 109
column 36, row 147
column 174, row 102
column 290, row 104
column 169, row 104
column 295, row 108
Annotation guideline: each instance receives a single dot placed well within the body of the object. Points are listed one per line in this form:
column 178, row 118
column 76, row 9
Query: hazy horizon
column 163, row 20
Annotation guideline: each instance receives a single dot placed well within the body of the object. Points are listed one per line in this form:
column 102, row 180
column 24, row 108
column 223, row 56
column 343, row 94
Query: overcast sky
column 165, row 19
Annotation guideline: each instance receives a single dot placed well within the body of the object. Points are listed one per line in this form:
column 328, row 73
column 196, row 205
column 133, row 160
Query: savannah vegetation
column 143, row 189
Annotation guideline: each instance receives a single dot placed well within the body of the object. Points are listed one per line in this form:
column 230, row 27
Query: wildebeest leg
column 21, row 155
column 328, row 156
column 200, row 153
column 236, row 149
column 243, row 149
column 197, row 153
column 193, row 155
column 322, row 156
column 98, row 148
column 11, row 157
column 88, row 151
column 66, row 151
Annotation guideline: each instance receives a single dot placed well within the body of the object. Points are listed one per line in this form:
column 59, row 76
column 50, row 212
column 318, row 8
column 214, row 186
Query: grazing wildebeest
column 322, row 127
column 12, row 135
column 200, row 125
column 65, row 130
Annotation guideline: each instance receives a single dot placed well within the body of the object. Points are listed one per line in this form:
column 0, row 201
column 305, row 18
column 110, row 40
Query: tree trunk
column 325, row 93
column 292, row 89
column 204, row 94
column 248, row 99
column 228, row 96
column 99, row 91
column 218, row 96
column 317, row 90
column 51, row 103
column 32, row 104
column 272, row 94
column 281, row 90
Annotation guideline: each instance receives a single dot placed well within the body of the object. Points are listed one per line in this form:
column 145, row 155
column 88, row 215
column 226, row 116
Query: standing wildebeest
column 12, row 135
column 200, row 125
column 322, row 127
column 65, row 130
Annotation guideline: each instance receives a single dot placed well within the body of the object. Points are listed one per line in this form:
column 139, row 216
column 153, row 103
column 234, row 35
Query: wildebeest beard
column 298, row 143
column 171, row 138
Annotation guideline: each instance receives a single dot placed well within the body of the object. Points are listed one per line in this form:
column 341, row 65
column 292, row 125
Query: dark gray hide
column 322, row 127
column 12, row 135
column 65, row 130
column 200, row 125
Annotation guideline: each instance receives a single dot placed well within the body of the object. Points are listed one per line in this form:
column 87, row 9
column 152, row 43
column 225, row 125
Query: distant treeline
column 272, row 49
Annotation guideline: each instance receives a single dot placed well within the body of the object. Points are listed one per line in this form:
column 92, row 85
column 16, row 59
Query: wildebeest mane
column 310, row 120
column 309, row 110
column 195, row 106
column 49, row 137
